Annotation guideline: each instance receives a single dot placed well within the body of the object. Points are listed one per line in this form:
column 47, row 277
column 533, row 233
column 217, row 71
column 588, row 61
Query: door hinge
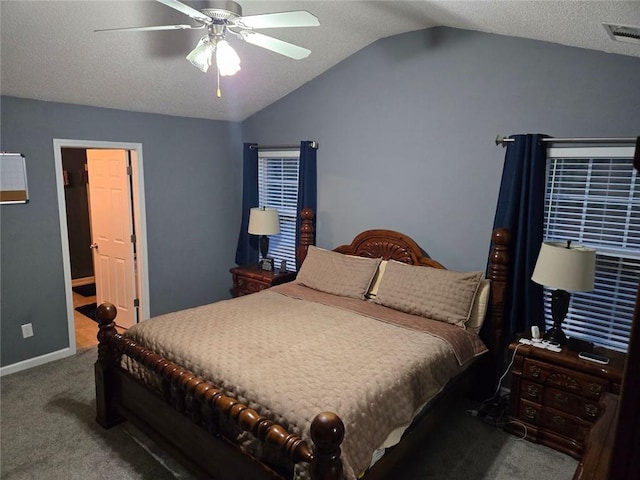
column 133, row 238
column 129, row 170
column 136, row 302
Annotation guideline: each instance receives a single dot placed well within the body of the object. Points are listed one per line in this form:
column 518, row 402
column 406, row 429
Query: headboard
column 385, row 244
column 388, row 245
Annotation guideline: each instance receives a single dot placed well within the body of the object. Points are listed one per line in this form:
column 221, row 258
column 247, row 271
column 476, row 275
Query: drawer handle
column 558, row 420
column 591, row 409
column 530, row 413
column 562, row 397
column 535, row 371
column 533, row 390
column 595, row 388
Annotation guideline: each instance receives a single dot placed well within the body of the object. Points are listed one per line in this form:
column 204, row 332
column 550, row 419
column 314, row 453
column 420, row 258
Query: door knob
column 93, row 245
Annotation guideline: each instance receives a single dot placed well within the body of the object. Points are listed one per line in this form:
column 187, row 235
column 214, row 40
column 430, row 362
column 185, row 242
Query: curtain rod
column 280, row 147
column 503, row 140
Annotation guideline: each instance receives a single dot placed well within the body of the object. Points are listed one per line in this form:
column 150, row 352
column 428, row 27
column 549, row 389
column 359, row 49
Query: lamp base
column 555, row 334
column 559, row 308
column 264, row 245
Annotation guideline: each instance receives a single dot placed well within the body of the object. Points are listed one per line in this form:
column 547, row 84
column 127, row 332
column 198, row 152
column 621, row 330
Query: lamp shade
column 200, row 56
column 227, row 59
column 264, row 221
column 565, row 267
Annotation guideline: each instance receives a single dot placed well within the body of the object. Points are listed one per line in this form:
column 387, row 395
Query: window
column 278, row 173
column 593, row 198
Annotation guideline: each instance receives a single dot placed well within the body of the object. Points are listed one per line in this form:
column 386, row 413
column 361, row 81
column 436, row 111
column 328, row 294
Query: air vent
column 623, row 33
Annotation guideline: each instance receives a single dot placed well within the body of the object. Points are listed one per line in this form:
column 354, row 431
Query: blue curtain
column 247, row 251
column 521, row 210
column 307, row 181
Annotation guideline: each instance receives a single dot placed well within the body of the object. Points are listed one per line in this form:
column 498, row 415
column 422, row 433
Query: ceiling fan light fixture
column 227, row 60
column 200, row 56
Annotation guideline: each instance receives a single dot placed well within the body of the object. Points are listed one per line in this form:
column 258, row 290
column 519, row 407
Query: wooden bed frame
column 185, row 418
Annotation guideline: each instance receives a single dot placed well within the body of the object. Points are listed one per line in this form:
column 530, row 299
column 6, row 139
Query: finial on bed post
column 498, row 273
column 307, row 235
column 106, row 415
column 327, row 433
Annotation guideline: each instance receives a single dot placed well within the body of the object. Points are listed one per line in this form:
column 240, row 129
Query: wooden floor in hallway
column 86, row 329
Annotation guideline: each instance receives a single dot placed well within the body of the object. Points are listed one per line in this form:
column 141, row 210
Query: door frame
column 140, row 223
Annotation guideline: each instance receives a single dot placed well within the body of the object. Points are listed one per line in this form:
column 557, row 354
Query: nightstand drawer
column 529, row 412
column 556, row 421
column 531, row 391
column 571, row 403
column 252, row 279
column 250, row 285
column 564, row 424
column 564, row 379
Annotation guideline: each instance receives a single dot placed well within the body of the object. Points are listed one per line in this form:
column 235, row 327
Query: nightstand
column 252, row 279
column 556, row 396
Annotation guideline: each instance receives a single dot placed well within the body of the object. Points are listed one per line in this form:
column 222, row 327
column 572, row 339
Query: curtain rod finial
column 499, row 140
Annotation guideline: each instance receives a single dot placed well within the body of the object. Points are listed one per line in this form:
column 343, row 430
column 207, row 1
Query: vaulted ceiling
column 49, row 49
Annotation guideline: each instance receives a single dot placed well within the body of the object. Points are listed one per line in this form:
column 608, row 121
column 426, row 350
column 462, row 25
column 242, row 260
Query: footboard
column 185, row 418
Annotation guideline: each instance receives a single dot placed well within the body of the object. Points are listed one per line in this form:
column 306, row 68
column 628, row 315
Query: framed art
column 13, row 179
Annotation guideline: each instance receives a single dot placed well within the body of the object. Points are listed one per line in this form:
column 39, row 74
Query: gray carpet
column 47, row 431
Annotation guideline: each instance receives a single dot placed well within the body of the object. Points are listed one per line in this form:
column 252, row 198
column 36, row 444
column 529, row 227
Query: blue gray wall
column 192, row 181
column 406, row 129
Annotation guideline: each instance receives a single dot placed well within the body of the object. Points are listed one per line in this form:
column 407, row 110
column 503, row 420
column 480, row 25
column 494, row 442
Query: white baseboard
column 34, row 362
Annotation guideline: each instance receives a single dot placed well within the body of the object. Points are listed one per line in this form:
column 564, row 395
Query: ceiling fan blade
column 187, row 10
column 279, row 46
column 150, row 29
column 298, row 18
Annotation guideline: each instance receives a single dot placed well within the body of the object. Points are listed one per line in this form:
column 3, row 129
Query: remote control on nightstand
column 592, row 357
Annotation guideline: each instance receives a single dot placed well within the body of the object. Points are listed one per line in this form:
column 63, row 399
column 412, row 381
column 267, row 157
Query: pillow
column 335, row 273
column 373, row 290
column 479, row 307
column 433, row 293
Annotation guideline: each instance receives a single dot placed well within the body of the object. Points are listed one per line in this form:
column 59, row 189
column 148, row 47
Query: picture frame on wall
column 13, row 178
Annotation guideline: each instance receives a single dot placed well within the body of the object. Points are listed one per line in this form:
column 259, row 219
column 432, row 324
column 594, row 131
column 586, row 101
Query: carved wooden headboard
column 388, row 245
column 385, row 244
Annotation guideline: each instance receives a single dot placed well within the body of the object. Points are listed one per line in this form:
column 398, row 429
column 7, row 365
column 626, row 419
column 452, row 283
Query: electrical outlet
column 27, row 330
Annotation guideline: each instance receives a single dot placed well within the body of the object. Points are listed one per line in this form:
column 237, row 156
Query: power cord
column 493, row 410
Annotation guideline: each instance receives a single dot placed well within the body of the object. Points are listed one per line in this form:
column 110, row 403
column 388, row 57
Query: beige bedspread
column 291, row 358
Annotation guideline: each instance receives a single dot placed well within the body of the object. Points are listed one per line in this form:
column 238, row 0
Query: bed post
column 498, row 272
column 106, row 414
column 327, row 433
column 307, row 235
column 492, row 330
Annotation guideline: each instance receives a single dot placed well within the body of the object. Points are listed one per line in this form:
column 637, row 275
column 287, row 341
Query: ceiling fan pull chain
column 218, row 92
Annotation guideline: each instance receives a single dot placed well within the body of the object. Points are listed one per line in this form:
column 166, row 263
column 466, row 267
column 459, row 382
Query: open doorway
column 77, row 256
column 76, row 193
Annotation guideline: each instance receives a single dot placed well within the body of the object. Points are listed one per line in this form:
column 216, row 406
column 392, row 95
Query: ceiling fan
column 220, row 18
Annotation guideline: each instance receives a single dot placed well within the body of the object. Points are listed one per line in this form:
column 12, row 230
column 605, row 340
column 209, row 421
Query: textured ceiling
column 49, row 49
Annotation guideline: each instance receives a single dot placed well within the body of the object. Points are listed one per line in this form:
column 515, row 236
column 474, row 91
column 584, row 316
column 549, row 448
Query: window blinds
column 278, row 173
column 593, row 198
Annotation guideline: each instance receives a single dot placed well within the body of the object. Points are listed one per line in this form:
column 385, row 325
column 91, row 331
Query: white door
column 111, row 231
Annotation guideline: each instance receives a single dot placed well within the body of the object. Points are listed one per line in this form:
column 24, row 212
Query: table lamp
column 264, row 221
column 564, row 267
